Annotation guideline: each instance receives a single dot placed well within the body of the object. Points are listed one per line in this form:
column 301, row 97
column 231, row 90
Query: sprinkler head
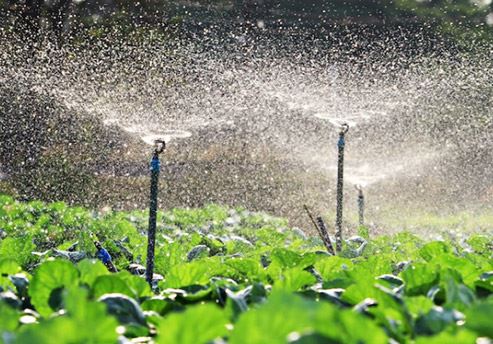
column 344, row 129
column 360, row 189
column 159, row 146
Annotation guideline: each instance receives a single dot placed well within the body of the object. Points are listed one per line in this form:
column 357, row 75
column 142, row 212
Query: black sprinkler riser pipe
column 361, row 208
column 151, row 234
column 340, row 186
column 325, row 235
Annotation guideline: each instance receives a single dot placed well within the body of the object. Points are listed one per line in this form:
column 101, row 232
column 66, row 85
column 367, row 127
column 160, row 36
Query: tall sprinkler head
column 159, row 147
column 360, row 189
column 344, row 129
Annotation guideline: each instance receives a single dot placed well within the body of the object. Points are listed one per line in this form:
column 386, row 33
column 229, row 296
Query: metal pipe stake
column 340, row 185
column 151, row 233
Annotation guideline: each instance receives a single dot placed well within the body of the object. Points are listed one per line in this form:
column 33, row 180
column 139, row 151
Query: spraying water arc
column 258, row 121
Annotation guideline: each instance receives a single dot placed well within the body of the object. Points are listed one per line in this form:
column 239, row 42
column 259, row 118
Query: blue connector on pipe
column 103, row 256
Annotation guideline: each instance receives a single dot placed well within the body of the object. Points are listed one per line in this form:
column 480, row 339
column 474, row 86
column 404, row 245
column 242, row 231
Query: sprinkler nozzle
column 359, row 188
column 344, row 128
column 159, row 146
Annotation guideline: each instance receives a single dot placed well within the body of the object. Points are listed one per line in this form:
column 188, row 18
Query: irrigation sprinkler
column 325, row 235
column 340, row 185
column 321, row 229
column 361, row 205
column 309, row 213
column 155, row 166
column 103, row 255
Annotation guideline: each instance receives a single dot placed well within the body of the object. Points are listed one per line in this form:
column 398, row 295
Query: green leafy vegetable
column 49, row 277
column 197, row 324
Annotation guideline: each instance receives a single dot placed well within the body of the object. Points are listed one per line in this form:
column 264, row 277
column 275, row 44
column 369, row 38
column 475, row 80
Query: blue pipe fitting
column 155, row 164
column 104, row 256
column 341, row 142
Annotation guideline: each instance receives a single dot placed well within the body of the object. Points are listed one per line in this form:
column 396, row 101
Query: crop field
column 231, row 276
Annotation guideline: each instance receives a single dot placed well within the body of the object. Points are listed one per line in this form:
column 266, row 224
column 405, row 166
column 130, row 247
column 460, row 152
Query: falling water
column 253, row 120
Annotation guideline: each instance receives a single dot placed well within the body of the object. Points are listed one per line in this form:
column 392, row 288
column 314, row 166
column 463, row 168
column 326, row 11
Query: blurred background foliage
column 60, row 19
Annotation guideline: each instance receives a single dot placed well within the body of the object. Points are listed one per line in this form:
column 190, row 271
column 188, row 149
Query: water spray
column 321, row 229
column 340, row 185
column 159, row 146
column 361, row 205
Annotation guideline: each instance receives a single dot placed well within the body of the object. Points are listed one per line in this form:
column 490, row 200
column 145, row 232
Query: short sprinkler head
column 342, row 133
column 159, row 147
column 360, row 190
column 344, row 129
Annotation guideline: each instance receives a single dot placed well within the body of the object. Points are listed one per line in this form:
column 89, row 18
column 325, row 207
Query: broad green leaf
column 349, row 327
column 389, row 281
column 391, row 306
column 436, row 320
column 198, row 252
column 372, row 266
column 19, row 249
column 62, row 329
column 458, row 296
column 285, row 258
column 49, row 276
column 158, row 304
column 198, row 324
column 294, row 280
column 418, row 305
column 194, row 293
column 467, row 270
column 107, row 284
column 390, row 311
column 138, row 285
column 66, row 330
column 285, row 314
column 9, row 318
column 479, row 319
column 250, row 268
column 124, row 308
column 94, row 324
column 434, row 249
column 176, row 252
column 309, row 259
column 482, row 263
column 90, row 270
column 481, row 244
column 282, row 258
column 459, row 336
column 419, row 278
column 485, row 282
column 194, row 273
column 237, row 302
column 9, row 266
column 273, row 321
column 330, row 267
